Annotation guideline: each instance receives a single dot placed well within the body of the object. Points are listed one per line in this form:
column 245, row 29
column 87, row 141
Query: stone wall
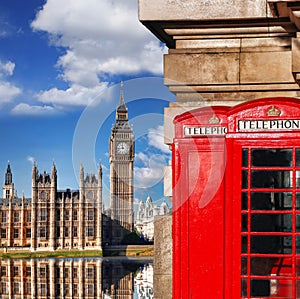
column 162, row 257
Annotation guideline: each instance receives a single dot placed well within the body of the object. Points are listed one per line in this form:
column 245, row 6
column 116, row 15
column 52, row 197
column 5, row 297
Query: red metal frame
column 207, row 205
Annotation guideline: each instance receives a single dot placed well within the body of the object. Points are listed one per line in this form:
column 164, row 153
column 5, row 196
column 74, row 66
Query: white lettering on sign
column 268, row 125
column 200, row 131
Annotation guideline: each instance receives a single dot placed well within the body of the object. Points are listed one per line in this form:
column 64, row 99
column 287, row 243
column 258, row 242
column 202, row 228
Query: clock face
column 122, row 148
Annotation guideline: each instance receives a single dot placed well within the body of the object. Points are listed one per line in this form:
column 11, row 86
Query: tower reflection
column 76, row 278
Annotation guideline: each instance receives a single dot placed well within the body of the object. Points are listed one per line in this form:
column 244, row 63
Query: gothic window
column 57, row 215
column 43, row 195
column 15, row 271
column 3, row 233
column 28, row 216
column 66, row 272
column 42, row 272
column 90, row 215
column 75, row 289
column 57, row 232
column 90, row 289
column 66, row 232
column 16, row 217
column 89, row 231
column 3, row 271
column 43, row 289
column 90, row 195
column 7, row 194
column 16, row 233
column 67, row 290
column 75, row 232
column 57, row 272
column 75, row 215
column 67, row 215
column 28, row 232
column 75, row 273
column 28, row 271
column 89, row 273
column 16, row 287
column 43, row 214
column 3, row 287
column 57, row 289
column 28, row 287
column 3, row 218
column 42, row 232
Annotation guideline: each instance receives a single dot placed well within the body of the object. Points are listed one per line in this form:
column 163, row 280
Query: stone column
column 99, row 278
column 80, row 279
column 9, row 276
column 62, row 278
column 23, row 233
column 52, row 208
column 22, row 286
column 71, row 223
column 81, row 211
column 61, row 217
column 10, row 223
column 52, row 278
column 34, row 208
column 99, row 210
column 33, row 279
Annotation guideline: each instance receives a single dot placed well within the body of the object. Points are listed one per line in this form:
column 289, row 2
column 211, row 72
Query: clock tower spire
column 121, row 173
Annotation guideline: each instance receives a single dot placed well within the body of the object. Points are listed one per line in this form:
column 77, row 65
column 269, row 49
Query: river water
column 105, row 278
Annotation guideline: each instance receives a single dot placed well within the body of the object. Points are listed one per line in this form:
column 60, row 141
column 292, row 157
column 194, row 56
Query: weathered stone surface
column 266, row 67
column 201, row 9
column 212, row 68
column 296, row 55
column 163, row 257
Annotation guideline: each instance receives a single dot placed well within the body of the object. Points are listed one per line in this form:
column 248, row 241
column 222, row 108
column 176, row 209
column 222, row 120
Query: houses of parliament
column 73, row 219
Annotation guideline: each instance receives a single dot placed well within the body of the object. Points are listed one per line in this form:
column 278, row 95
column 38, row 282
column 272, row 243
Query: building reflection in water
column 76, row 278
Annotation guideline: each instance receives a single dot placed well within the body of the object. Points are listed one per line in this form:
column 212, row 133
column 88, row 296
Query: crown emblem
column 214, row 120
column 273, row 111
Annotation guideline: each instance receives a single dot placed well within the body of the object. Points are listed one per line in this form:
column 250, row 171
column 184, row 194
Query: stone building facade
column 146, row 213
column 73, row 219
column 53, row 219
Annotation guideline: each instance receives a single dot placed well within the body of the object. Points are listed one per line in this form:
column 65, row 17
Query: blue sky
column 61, row 63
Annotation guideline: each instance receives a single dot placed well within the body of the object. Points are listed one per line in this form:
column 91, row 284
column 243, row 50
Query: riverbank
column 130, row 250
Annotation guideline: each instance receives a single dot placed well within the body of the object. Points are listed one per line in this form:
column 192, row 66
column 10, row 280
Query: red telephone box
column 236, row 201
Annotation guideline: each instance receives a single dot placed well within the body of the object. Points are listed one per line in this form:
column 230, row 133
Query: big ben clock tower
column 121, row 173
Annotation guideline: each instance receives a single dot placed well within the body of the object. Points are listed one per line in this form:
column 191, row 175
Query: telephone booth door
column 263, row 200
column 266, row 234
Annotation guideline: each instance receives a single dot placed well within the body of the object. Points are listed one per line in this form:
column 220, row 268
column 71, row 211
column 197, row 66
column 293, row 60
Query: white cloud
column 8, row 92
column 156, row 139
column 101, row 38
column 26, row 109
column 6, row 68
column 76, row 95
column 151, row 170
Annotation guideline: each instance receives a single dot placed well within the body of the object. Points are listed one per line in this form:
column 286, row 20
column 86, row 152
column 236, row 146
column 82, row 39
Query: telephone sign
column 236, row 201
